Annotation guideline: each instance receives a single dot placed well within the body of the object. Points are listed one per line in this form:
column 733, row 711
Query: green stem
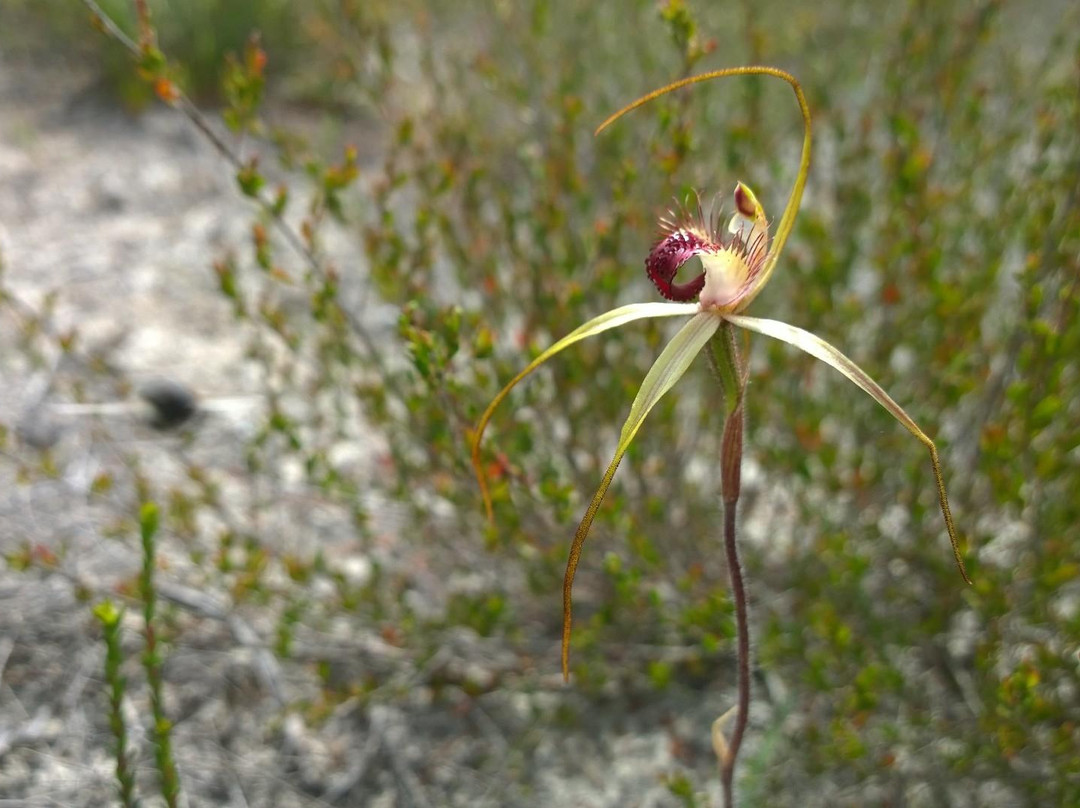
column 724, row 356
column 111, row 618
column 162, row 729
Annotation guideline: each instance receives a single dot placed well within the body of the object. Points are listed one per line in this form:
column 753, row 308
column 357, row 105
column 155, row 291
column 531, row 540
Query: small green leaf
column 148, row 520
column 107, row 613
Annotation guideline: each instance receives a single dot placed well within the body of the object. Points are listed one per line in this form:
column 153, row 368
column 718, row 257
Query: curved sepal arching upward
column 669, row 367
column 605, row 322
column 787, row 220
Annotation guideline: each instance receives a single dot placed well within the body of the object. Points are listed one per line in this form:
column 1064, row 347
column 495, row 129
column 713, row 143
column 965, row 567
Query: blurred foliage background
column 938, row 245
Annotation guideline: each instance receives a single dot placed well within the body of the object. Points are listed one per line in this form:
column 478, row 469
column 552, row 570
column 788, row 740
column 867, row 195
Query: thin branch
column 265, row 203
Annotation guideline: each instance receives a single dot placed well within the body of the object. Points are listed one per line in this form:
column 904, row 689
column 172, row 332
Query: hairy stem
column 731, row 374
column 738, row 592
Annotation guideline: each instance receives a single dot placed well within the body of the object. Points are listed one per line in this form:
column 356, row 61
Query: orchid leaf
column 820, row 349
column 606, row 321
column 669, row 367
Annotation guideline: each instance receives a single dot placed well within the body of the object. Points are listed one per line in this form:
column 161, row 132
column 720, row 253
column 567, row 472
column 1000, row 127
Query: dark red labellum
column 665, row 259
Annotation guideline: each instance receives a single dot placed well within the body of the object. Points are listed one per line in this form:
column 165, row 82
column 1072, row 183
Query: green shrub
column 938, row 242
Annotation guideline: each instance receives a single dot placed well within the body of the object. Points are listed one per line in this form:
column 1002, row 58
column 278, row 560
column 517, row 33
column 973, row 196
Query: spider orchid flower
column 736, row 261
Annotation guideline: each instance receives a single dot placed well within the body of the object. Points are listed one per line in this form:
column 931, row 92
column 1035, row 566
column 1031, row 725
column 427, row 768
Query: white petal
column 606, row 321
column 669, row 367
column 820, row 349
